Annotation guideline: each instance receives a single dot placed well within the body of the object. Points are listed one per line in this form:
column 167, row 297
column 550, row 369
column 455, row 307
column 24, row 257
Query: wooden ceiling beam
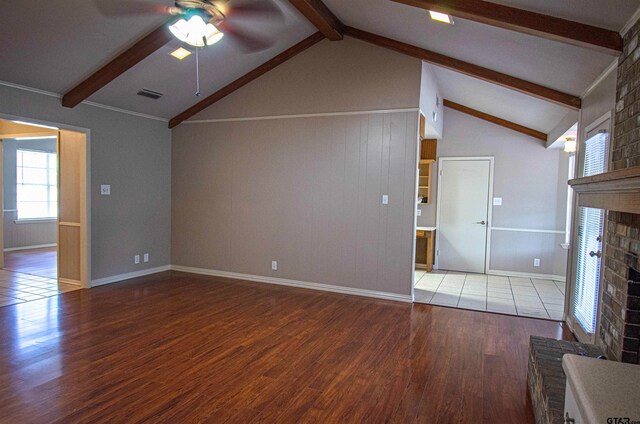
column 247, row 78
column 321, row 17
column 495, row 120
column 526, row 22
column 122, row 63
column 466, row 68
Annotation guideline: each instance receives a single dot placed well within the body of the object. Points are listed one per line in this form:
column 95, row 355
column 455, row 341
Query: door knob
column 481, row 222
column 598, row 254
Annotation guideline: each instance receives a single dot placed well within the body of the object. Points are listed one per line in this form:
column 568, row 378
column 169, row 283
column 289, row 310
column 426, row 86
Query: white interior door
column 463, row 213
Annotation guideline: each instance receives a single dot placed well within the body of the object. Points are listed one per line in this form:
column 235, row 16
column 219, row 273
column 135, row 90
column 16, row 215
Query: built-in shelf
column 615, row 190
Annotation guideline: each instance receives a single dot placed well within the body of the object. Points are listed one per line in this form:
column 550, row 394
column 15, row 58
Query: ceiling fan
column 204, row 22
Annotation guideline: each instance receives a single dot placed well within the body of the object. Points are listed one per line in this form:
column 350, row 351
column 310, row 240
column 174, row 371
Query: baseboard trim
column 129, row 275
column 526, row 275
column 35, row 246
column 295, row 283
column 71, row 282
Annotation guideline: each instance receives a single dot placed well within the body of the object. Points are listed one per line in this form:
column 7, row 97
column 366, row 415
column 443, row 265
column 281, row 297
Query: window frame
column 49, row 185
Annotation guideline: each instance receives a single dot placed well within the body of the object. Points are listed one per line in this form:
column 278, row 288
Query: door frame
column 87, row 195
column 572, row 264
column 491, row 161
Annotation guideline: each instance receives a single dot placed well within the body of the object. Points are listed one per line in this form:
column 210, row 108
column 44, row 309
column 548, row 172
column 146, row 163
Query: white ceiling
column 54, row 48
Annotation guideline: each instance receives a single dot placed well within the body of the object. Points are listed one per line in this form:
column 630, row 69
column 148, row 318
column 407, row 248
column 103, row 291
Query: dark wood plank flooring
column 41, row 262
column 181, row 348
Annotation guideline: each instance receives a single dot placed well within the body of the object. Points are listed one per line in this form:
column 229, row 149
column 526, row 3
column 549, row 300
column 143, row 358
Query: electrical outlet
column 497, row 201
column 385, row 199
column 105, row 190
column 145, row 257
column 419, row 212
column 136, row 259
column 536, row 262
column 274, row 265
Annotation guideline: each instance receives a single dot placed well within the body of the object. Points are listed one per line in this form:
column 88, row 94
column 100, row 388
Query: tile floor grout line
column 541, row 301
column 513, row 297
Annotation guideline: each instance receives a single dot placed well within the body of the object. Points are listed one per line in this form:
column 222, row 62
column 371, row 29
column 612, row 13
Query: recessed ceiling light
column 181, row 53
column 441, row 17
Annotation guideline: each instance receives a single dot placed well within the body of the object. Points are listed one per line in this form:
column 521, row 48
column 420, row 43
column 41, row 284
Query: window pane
column 32, row 193
column 34, row 176
column 27, row 210
column 53, row 209
column 34, row 159
column 36, row 188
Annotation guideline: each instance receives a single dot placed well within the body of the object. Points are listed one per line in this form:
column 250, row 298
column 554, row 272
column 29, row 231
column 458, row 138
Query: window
column 590, row 233
column 36, row 188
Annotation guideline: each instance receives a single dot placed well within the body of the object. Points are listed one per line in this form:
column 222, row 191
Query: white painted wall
column 431, row 103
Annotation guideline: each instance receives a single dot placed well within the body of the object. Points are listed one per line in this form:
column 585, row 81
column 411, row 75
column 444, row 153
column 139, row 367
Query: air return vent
column 150, row 94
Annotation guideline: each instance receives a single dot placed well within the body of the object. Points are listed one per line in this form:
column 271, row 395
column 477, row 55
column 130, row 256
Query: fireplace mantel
column 615, row 190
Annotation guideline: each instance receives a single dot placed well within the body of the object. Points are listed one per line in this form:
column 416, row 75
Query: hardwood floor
column 41, row 262
column 181, row 348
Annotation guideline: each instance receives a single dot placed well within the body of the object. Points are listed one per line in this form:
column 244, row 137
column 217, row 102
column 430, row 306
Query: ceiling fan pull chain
column 197, row 73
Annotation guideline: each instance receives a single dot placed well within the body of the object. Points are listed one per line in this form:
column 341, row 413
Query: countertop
column 603, row 389
column 426, row 228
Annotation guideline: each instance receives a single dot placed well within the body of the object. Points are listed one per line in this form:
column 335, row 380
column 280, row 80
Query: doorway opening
column 44, row 227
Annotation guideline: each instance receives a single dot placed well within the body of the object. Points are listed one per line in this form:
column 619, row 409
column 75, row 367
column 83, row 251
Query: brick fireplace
column 619, row 328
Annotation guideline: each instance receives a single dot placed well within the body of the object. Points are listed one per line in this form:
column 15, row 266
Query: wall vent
column 150, row 94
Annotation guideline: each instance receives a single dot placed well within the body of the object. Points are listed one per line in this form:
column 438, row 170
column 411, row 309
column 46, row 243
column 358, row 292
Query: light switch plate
column 385, row 199
column 419, row 212
column 497, row 201
column 145, row 257
column 105, row 190
column 136, row 259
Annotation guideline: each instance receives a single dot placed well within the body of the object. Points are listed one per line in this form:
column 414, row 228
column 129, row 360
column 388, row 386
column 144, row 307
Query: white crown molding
column 295, row 283
column 527, row 230
column 526, row 275
column 129, row 275
column 302, row 115
column 630, row 23
column 88, row 103
column 612, row 67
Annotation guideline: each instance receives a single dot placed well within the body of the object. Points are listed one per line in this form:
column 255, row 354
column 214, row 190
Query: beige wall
column 350, row 75
column 305, row 191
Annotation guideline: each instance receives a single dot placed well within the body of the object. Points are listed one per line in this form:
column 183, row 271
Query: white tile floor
column 507, row 295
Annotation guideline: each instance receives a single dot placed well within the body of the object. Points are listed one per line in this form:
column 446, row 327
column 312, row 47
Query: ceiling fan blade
column 132, row 7
column 265, row 9
column 243, row 39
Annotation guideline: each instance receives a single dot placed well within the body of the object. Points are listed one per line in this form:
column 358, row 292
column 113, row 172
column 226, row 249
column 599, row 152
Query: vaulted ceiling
column 53, row 46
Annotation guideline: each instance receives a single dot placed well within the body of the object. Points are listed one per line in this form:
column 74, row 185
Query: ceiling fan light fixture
column 441, row 17
column 196, row 32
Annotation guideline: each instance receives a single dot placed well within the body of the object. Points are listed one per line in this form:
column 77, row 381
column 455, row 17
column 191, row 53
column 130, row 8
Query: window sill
column 34, row 220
